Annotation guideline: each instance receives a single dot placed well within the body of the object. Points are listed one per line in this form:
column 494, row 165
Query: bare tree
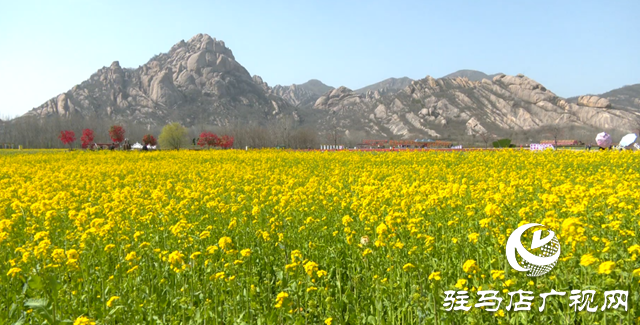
column 304, row 138
column 556, row 131
column 334, row 135
column 486, row 137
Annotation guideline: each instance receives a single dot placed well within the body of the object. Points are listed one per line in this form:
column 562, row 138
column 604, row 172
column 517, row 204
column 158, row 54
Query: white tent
column 136, row 146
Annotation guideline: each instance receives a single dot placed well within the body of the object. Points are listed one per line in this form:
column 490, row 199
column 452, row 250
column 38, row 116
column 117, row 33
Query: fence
column 539, row 146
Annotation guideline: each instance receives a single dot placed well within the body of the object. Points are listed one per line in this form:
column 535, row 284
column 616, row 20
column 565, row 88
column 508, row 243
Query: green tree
column 173, row 136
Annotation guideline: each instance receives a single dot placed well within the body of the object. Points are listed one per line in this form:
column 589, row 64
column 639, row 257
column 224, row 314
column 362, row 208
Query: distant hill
column 315, row 87
column 391, row 84
column 303, row 95
column 199, row 82
column 472, row 75
column 627, row 96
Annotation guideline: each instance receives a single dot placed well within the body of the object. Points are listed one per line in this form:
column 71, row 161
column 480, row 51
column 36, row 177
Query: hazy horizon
column 573, row 48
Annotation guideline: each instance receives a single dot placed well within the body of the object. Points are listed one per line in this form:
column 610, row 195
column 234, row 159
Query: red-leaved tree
column 67, row 137
column 86, row 138
column 208, row 139
column 149, row 140
column 226, row 142
column 116, row 133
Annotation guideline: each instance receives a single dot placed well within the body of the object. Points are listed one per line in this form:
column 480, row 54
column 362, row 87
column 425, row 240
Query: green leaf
column 20, row 321
column 40, row 307
column 113, row 311
column 36, row 303
column 35, row 282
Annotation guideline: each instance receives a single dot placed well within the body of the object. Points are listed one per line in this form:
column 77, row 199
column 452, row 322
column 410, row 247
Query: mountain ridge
column 199, row 82
column 472, row 75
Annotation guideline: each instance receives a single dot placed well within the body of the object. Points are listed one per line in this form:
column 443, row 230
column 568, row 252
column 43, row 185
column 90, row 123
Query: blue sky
column 571, row 47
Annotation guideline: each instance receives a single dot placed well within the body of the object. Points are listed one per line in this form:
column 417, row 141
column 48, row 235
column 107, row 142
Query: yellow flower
column 112, row 300
column 13, row 271
column 408, row 267
column 328, row 321
column 636, row 272
column 499, row 313
column 58, row 255
column 435, row 276
column 398, row 245
column 473, row 238
column 310, row 267
column 296, row 255
column 290, row 266
column 195, row 255
column 509, row 283
column 219, row 275
column 245, row 252
column 606, row 267
column 381, row 229
column 205, row 234
column 312, row 289
column 587, row 260
column 72, row 254
column 497, row 275
column 109, row 247
column 634, row 249
column 461, row 283
column 470, row 266
column 224, row 242
column 82, row 320
column 280, row 299
column 212, row 249
column 131, row 256
column 176, row 258
column 321, row 273
column 133, row 269
column 366, row 252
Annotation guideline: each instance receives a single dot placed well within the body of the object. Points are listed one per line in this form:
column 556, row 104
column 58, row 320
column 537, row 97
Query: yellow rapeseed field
column 274, row 237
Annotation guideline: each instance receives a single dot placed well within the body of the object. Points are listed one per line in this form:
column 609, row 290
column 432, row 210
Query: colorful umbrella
column 603, row 140
column 628, row 140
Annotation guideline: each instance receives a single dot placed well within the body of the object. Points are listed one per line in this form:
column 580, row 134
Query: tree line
column 34, row 132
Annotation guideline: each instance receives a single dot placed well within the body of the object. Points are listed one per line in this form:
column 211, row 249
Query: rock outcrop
column 458, row 107
column 196, row 80
column 594, row 101
column 302, row 96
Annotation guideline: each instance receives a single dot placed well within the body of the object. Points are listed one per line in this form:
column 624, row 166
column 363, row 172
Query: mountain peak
column 316, row 87
column 196, row 79
column 389, row 84
column 472, row 75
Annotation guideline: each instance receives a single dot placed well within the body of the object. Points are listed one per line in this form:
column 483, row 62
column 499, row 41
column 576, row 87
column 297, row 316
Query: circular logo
column 547, row 251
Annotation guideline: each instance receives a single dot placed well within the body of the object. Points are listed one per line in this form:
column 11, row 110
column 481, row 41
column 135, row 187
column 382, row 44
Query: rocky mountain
column 303, row 95
column 386, row 86
column 472, row 75
column 198, row 80
column 455, row 108
column 315, row 87
column 627, row 97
